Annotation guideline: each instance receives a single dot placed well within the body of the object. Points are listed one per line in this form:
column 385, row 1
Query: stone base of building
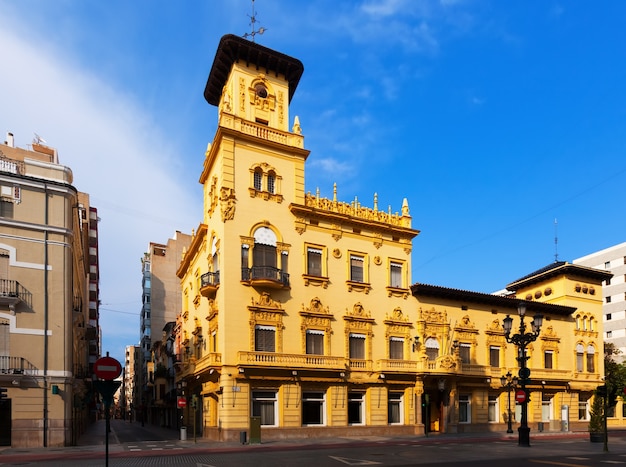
column 278, row 434
column 27, row 433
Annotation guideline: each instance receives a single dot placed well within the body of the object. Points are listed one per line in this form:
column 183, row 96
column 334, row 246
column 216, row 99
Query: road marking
column 539, row 461
column 348, row 461
column 579, row 458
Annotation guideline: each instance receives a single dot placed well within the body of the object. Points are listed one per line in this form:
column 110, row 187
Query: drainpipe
column 45, row 321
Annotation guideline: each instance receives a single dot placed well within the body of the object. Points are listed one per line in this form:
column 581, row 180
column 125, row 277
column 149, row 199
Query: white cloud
column 117, row 154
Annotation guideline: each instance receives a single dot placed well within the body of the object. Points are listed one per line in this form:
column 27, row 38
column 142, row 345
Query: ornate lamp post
column 509, row 381
column 521, row 340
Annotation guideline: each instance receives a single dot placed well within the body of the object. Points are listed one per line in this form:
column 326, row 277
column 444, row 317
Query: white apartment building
column 612, row 259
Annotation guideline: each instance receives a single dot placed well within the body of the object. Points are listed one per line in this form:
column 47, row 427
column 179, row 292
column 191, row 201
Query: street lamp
column 521, row 340
column 509, row 381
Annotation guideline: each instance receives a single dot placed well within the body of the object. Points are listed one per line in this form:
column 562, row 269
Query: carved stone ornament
column 447, row 363
column 227, row 203
column 315, row 308
column 434, row 316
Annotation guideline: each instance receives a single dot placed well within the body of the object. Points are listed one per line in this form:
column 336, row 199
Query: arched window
column 258, row 179
column 591, row 368
column 264, row 254
column 432, row 348
column 580, row 358
column 271, row 182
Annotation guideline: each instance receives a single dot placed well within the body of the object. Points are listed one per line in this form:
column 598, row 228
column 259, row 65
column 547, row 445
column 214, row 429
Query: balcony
column 16, row 366
column 398, row 366
column 290, row 361
column 265, row 276
column 12, row 293
column 209, row 283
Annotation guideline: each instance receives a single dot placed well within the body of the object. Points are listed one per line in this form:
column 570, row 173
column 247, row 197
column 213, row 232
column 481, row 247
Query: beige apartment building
column 49, row 331
column 299, row 316
column 161, row 302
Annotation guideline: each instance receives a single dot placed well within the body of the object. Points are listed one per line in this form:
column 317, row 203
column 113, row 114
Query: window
column 492, row 410
column 608, row 299
column 314, row 261
column 394, row 408
column 314, row 342
column 265, row 338
column 355, row 408
column 547, row 359
column 464, row 352
column 546, row 407
column 583, row 410
column 465, row 414
column 396, row 348
column 214, row 264
column 607, row 265
column 357, row 346
column 356, row 268
column 609, row 334
column 580, row 358
column 264, row 406
column 6, row 209
column 591, row 359
column 494, row 356
column 609, row 317
column 432, row 348
column 313, row 408
column 245, row 250
column 258, row 179
column 271, row 182
column 395, row 274
column 608, row 281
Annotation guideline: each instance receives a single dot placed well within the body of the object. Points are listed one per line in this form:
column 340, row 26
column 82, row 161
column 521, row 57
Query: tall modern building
column 49, row 326
column 161, row 303
column 613, row 260
column 299, row 317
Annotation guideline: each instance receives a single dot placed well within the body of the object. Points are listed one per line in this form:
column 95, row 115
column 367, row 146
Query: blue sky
column 493, row 118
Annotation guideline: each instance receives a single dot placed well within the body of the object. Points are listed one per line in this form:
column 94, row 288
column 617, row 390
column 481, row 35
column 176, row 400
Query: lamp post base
column 524, row 436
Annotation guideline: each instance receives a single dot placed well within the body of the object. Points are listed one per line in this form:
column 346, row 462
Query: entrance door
column 5, row 422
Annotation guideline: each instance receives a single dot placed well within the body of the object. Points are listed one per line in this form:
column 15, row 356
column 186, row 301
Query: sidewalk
column 91, row 444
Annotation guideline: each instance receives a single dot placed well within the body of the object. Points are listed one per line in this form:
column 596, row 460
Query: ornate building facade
column 298, row 315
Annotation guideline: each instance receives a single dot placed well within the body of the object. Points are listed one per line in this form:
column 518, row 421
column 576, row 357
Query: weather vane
column 253, row 21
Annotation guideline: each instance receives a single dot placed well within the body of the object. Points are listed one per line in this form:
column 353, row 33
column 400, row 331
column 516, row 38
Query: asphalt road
column 578, row 452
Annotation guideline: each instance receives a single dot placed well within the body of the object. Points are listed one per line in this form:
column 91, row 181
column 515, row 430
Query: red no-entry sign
column 182, row 402
column 107, row 368
column 520, row 396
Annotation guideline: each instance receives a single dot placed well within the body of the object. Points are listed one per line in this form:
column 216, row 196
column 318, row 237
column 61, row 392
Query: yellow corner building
column 299, row 317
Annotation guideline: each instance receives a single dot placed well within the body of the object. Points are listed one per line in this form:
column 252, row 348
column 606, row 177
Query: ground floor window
column 356, row 408
column 313, row 408
column 583, row 410
column 264, row 406
column 465, row 413
column 546, row 408
column 394, row 408
column 493, row 408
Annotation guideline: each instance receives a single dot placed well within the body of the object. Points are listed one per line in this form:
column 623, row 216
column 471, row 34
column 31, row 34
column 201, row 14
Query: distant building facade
column 613, row 260
column 131, row 393
column 298, row 316
column 161, row 304
column 49, row 299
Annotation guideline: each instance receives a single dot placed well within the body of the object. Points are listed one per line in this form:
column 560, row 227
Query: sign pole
column 107, row 369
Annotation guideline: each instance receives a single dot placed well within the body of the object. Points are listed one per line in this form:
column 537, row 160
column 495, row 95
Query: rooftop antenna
column 556, row 241
column 253, row 21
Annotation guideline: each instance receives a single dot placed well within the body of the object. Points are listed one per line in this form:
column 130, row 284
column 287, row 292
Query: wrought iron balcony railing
column 268, row 274
column 12, row 292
